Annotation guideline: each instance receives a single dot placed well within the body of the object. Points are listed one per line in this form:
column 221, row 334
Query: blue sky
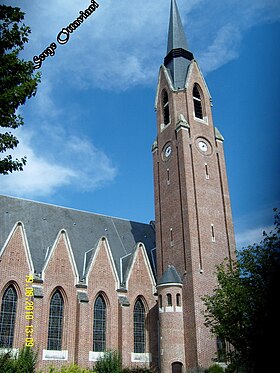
column 88, row 132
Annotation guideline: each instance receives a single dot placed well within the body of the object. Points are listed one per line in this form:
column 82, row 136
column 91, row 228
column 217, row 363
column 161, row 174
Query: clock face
column 166, row 151
column 203, row 146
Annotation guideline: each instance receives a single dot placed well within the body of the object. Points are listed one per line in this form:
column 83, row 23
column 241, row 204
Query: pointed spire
column 170, row 276
column 176, row 34
column 178, row 57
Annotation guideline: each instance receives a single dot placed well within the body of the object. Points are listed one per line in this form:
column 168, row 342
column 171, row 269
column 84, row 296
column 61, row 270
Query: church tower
column 194, row 230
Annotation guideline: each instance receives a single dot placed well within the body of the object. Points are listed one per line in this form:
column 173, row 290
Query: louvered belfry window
column 139, row 327
column 8, row 317
column 197, row 102
column 165, row 103
column 56, row 322
column 99, row 325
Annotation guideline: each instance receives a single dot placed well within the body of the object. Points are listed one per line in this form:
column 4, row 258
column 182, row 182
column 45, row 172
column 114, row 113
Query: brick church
column 77, row 284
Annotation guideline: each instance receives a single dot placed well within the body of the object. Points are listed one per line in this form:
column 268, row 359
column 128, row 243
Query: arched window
column 160, row 301
column 177, row 367
column 139, row 327
column 165, row 105
column 56, row 322
column 178, row 300
column 221, row 349
column 99, row 325
column 198, row 112
column 169, row 300
column 8, row 317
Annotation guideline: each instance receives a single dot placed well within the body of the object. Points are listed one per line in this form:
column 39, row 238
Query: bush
column 6, row 363
column 215, row 368
column 73, row 368
column 137, row 370
column 26, row 360
column 111, row 362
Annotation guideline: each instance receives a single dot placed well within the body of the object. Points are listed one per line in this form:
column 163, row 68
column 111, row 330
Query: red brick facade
column 79, row 259
column 193, row 215
column 60, row 273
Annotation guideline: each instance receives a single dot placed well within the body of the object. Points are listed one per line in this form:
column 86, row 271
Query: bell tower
column 194, row 230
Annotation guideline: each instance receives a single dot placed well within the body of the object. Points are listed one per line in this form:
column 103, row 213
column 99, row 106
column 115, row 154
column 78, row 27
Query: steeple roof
column 170, row 276
column 176, row 34
column 178, row 57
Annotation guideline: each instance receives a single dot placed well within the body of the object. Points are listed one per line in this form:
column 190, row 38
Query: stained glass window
column 56, row 322
column 8, row 317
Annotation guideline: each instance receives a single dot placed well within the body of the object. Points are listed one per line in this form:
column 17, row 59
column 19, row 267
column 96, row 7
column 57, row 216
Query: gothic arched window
column 169, row 300
column 99, row 325
column 165, row 105
column 8, row 317
column 55, row 322
column 139, row 327
column 197, row 102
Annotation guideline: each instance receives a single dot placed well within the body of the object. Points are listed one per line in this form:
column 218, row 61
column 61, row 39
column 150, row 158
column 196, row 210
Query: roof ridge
column 73, row 209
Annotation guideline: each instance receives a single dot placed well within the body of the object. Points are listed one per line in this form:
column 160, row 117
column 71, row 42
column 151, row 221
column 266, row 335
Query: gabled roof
column 42, row 223
column 170, row 276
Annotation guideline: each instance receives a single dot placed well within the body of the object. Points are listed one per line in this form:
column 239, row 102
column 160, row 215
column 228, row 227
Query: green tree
column 17, row 82
column 243, row 308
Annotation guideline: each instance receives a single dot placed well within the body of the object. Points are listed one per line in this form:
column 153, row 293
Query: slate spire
column 178, row 56
column 176, row 34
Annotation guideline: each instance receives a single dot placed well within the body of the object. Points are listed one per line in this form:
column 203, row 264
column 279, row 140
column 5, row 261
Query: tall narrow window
column 99, row 325
column 8, row 317
column 213, row 233
column 178, row 300
column 139, row 327
column 221, row 349
column 197, row 103
column 169, row 300
column 56, row 322
column 165, row 105
column 160, row 301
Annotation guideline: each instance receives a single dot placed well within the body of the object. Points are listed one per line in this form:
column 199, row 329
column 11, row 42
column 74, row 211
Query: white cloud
column 122, row 43
column 89, row 169
column 251, row 236
column 223, row 49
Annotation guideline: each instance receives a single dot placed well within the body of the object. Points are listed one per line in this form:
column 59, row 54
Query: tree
column 17, row 82
column 243, row 309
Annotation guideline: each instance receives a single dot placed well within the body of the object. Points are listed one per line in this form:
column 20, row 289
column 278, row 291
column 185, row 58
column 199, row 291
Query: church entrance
column 177, row 368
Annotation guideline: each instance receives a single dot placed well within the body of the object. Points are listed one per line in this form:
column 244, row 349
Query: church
column 76, row 284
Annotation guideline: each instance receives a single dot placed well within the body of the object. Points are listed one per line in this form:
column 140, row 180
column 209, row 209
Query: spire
column 178, row 56
column 176, row 34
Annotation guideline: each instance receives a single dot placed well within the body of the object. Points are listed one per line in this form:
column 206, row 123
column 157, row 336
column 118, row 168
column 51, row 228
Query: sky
column 88, row 131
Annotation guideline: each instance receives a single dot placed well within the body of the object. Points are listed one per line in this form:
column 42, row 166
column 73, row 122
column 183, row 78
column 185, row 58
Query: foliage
column 111, row 362
column 73, row 368
column 25, row 361
column 242, row 309
column 215, row 368
column 6, row 363
column 137, row 370
column 17, row 82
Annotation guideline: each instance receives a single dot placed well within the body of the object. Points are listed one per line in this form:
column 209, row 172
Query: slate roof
column 176, row 34
column 170, row 276
column 43, row 222
column 178, row 57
